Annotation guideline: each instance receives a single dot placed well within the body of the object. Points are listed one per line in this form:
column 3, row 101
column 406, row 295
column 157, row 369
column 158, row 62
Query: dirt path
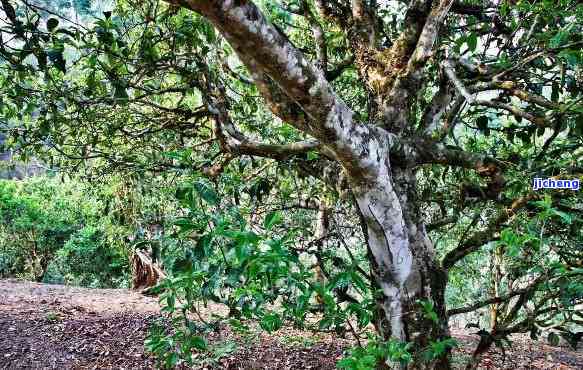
column 57, row 327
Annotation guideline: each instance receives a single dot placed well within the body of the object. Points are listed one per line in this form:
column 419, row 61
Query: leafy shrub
column 375, row 352
column 33, row 226
column 256, row 274
column 55, row 231
column 90, row 261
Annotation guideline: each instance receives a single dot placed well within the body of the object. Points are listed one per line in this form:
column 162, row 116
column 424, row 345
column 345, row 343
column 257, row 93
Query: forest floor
column 58, row 327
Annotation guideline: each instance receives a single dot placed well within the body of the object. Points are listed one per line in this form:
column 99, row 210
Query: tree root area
column 58, row 327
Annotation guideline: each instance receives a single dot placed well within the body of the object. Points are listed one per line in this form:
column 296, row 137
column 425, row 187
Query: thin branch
column 449, row 69
column 499, row 299
column 480, row 238
column 537, row 120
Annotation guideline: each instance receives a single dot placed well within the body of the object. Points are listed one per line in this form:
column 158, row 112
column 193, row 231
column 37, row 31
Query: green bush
column 33, row 227
column 88, row 260
column 54, row 231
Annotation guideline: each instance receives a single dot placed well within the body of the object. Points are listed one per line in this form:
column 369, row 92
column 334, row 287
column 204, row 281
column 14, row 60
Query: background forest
column 141, row 126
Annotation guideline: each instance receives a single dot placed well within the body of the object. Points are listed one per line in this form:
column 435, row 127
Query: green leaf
column 203, row 244
column 197, row 342
column 553, row 339
column 572, row 57
column 238, row 326
column 482, row 123
column 120, row 93
column 52, row 23
column 472, row 41
column 429, row 310
column 272, row 219
column 562, row 36
column 342, row 279
column 565, row 216
column 555, row 92
column 346, row 363
column 524, row 136
column 185, row 225
column 359, row 282
column 56, row 57
column 184, row 193
column 172, row 360
column 243, row 237
column 242, row 251
column 206, row 192
column 170, row 301
column 312, row 155
column 271, row 322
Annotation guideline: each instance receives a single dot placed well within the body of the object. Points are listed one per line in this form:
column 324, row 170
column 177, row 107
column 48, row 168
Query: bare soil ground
column 59, row 327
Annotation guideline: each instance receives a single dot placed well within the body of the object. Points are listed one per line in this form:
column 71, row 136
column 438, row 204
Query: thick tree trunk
column 401, row 254
column 403, row 263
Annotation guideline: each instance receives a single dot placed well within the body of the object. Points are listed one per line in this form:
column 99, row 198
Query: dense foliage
column 223, row 180
column 56, row 231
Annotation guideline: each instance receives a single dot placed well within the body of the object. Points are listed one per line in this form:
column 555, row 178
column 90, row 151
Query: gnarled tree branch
column 264, row 49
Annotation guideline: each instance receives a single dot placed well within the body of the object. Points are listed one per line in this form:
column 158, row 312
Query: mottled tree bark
column 402, row 262
column 401, row 254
